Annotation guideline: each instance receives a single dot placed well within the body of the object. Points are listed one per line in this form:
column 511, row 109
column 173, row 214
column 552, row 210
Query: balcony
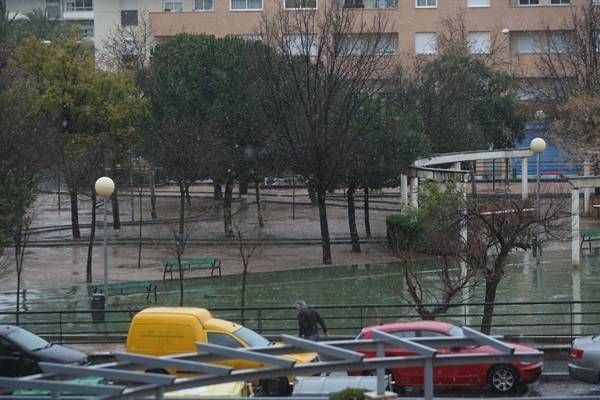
column 77, row 15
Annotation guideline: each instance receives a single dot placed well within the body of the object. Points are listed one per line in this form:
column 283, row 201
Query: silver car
column 584, row 359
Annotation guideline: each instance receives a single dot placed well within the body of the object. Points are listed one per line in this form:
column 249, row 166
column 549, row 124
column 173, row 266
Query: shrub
column 349, row 394
column 404, row 230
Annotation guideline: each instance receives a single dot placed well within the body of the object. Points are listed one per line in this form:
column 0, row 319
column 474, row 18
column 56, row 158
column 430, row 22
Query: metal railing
column 548, row 318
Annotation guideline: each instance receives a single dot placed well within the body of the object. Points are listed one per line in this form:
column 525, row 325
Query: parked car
column 584, row 359
column 500, row 377
column 21, row 351
column 160, row 331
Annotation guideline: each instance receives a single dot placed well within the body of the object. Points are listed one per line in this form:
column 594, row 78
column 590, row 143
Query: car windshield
column 455, row 331
column 252, row 338
column 27, row 340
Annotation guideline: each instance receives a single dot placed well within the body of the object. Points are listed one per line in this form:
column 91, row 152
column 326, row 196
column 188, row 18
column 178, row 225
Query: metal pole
column 294, row 196
column 380, row 371
column 428, row 379
column 537, row 201
column 105, row 261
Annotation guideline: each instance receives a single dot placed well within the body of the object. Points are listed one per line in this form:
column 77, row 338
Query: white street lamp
column 538, row 145
column 104, row 188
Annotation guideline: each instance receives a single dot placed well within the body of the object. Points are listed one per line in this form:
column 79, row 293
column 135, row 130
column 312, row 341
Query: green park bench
column 129, row 287
column 589, row 236
column 170, row 265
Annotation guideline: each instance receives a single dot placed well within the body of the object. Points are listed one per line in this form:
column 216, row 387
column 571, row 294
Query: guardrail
column 539, row 319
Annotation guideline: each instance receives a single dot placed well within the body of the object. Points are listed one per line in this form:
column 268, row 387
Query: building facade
column 517, row 30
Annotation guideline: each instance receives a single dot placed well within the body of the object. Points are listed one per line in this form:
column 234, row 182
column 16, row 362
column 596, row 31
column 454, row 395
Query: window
column 478, row 3
column 369, row 4
column 360, row 44
column 174, row 6
column 223, row 339
column 79, row 5
column 404, row 334
column 541, row 2
column 558, row 42
column 431, row 334
column 426, row 43
column 87, row 28
column 129, row 17
column 480, row 42
column 203, row 5
column 251, row 338
column 300, row 4
column 528, row 42
column 301, row 45
column 596, row 2
column 27, row 340
column 53, row 8
column 6, row 348
column 246, row 4
column 426, row 3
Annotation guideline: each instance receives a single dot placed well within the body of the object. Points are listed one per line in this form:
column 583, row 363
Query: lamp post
column 104, row 188
column 538, row 145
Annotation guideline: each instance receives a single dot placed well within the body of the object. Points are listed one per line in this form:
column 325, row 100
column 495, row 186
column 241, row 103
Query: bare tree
column 21, row 236
column 246, row 249
column 453, row 38
column 319, row 68
column 179, row 242
column 570, row 58
column 497, row 229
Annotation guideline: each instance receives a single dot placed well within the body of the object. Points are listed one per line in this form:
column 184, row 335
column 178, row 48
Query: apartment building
column 520, row 26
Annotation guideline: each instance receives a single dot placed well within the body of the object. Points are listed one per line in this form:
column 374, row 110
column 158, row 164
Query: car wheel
column 503, row 378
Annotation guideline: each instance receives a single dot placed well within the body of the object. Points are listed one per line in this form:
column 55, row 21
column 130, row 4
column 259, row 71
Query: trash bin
column 98, row 307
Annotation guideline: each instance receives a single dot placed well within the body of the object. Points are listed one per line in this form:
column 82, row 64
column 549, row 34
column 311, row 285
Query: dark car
column 21, row 350
column 584, row 359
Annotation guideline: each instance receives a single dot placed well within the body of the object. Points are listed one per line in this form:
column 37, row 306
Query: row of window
column 426, row 43
column 208, row 5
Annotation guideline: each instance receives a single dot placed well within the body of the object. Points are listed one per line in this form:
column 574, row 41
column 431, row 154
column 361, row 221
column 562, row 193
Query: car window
column 252, row 338
column 27, row 340
column 404, row 334
column 223, row 339
column 6, row 348
column 431, row 334
column 455, row 331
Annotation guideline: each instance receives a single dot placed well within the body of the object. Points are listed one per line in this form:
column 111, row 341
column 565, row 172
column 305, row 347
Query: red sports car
column 501, row 377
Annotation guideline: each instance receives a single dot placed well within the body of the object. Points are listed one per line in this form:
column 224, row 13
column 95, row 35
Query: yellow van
column 160, row 331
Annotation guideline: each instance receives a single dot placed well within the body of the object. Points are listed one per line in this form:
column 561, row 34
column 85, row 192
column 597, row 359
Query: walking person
column 307, row 322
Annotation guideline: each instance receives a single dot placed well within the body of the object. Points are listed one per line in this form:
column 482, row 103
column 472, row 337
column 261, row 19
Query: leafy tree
column 206, row 86
column 95, row 110
column 466, row 105
column 319, row 70
column 389, row 141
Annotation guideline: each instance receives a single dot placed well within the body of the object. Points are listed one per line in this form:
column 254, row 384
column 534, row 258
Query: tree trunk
column 325, row 242
column 116, row 217
column 88, row 266
column 181, row 207
column 367, row 215
column 261, row 222
column 187, row 194
column 74, row 214
column 180, row 280
column 19, row 265
column 153, row 214
column 243, row 186
column 473, row 181
column 243, row 302
column 227, row 220
column 312, row 194
column 218, row 191
column 140, row 233
column 488, row 308
column 352, row 219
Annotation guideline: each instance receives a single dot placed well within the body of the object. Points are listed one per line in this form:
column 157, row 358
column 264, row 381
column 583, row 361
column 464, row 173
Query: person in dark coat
column 307, row 322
